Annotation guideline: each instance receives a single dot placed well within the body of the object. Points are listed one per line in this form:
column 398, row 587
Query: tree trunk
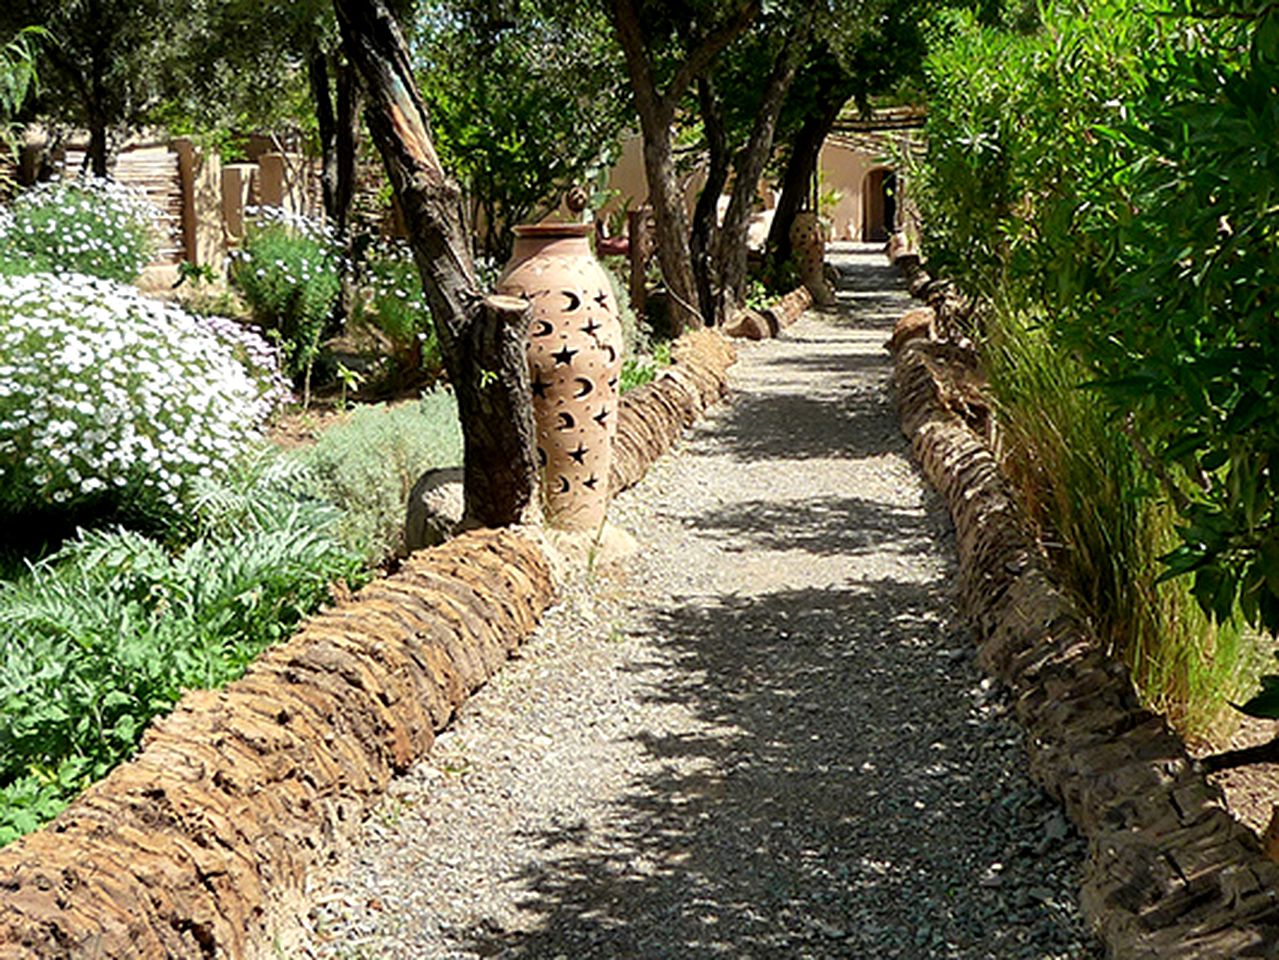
column 339, row 131
column 317, row 71
column 656, row 114
column 482, row 340
column 98, row 115
column 801, row 168
column 656, row 110
column 346, row 144
column 706, row 214
column 673, row 252
column 97, row 156
column 730, row 253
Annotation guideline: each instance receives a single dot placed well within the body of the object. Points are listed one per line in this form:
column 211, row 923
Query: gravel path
column 765, row 738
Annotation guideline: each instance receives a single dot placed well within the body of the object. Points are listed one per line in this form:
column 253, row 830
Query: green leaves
column 546, row 110
column 108, row 634
column 1116, row 171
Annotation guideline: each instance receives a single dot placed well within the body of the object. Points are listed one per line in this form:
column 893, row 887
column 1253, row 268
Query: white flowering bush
column 88, row 225
column 391, row 299
column 110, row 401
column 289, row 273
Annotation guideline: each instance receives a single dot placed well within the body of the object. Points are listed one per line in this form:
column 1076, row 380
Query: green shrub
column 392, row 301
column 1080, row 480
column 289, row 272
column 1104, row 184
column 90, row 226
column 638, row 370
column 107, row 634
column 368, row 465
column 113, row 403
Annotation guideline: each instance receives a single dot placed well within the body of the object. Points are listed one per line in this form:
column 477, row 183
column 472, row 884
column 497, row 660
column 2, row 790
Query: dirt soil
column 1252, row 792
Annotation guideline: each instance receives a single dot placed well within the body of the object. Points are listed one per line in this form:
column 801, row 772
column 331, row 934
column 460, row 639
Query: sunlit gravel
column 765, row 737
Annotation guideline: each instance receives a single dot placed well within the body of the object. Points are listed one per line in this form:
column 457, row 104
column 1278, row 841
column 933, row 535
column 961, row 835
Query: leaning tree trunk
column 706, row 214
column 730, row 254
column 801, row 168
column 482, row 339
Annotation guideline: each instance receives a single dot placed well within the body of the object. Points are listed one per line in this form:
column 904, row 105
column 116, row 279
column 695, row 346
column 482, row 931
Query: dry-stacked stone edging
column 201, row 846
column 750, row 324
column 1171, row 873
column 652, row 416
column 190, row 849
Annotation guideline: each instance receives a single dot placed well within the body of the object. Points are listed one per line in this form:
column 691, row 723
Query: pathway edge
column 1171, row 874
column 203, row 844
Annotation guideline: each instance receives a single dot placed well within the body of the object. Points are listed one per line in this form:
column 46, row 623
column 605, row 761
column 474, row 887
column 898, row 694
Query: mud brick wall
column 652, row 416
column 1171, row 875
column 191, row 849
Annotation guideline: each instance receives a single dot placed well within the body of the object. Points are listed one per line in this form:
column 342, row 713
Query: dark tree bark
column 317, row 71
column 801, row 168
column 338, row 120
column 98, row 148
column 656, row 109
column 706, row 214
column 347, row 144
column 730, row 253
column 482, row 340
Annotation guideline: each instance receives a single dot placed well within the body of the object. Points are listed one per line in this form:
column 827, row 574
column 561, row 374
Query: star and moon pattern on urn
column 575, row 360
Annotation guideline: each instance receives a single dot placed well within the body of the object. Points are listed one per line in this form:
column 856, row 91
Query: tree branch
column 710, row 47
column 631, row 37
column 1262, row 753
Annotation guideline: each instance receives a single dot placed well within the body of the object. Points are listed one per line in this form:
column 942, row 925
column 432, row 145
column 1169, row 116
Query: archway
column 879, row 204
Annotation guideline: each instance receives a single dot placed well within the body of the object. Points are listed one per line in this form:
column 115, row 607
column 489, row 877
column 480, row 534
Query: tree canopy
column 105, row 64
column 545, row 109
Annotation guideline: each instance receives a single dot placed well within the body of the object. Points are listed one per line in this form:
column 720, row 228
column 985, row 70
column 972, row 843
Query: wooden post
column 639, row 226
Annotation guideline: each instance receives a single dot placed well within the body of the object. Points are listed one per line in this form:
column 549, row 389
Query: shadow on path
column 852, row 788
column 823, row 526
column 782, row 835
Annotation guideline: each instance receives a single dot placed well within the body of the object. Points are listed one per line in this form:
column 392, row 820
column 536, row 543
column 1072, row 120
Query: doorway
column 879, row 204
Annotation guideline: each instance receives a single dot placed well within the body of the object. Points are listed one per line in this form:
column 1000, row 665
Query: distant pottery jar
column 808, row 247
column 575, row 360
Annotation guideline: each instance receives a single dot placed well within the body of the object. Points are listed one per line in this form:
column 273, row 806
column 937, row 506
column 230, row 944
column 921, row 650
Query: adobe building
column 860, row 180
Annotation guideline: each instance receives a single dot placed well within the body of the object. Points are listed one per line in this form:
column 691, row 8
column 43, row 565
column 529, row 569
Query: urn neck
column 551, row 239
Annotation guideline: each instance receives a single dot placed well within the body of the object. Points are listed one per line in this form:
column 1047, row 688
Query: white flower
column 98, row 381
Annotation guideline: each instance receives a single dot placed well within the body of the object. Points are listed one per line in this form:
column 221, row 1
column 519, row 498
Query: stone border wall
column 201, row 846
column 1171, row 874
column 652, row 416
column 752, row 324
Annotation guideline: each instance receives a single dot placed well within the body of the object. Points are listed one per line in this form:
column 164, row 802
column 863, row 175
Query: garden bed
column 202, row 844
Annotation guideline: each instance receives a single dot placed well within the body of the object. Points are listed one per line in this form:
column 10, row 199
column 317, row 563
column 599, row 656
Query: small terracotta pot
column 575, row 359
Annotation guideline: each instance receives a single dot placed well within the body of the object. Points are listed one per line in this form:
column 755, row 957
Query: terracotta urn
column 575, row 359
column 809, row 250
